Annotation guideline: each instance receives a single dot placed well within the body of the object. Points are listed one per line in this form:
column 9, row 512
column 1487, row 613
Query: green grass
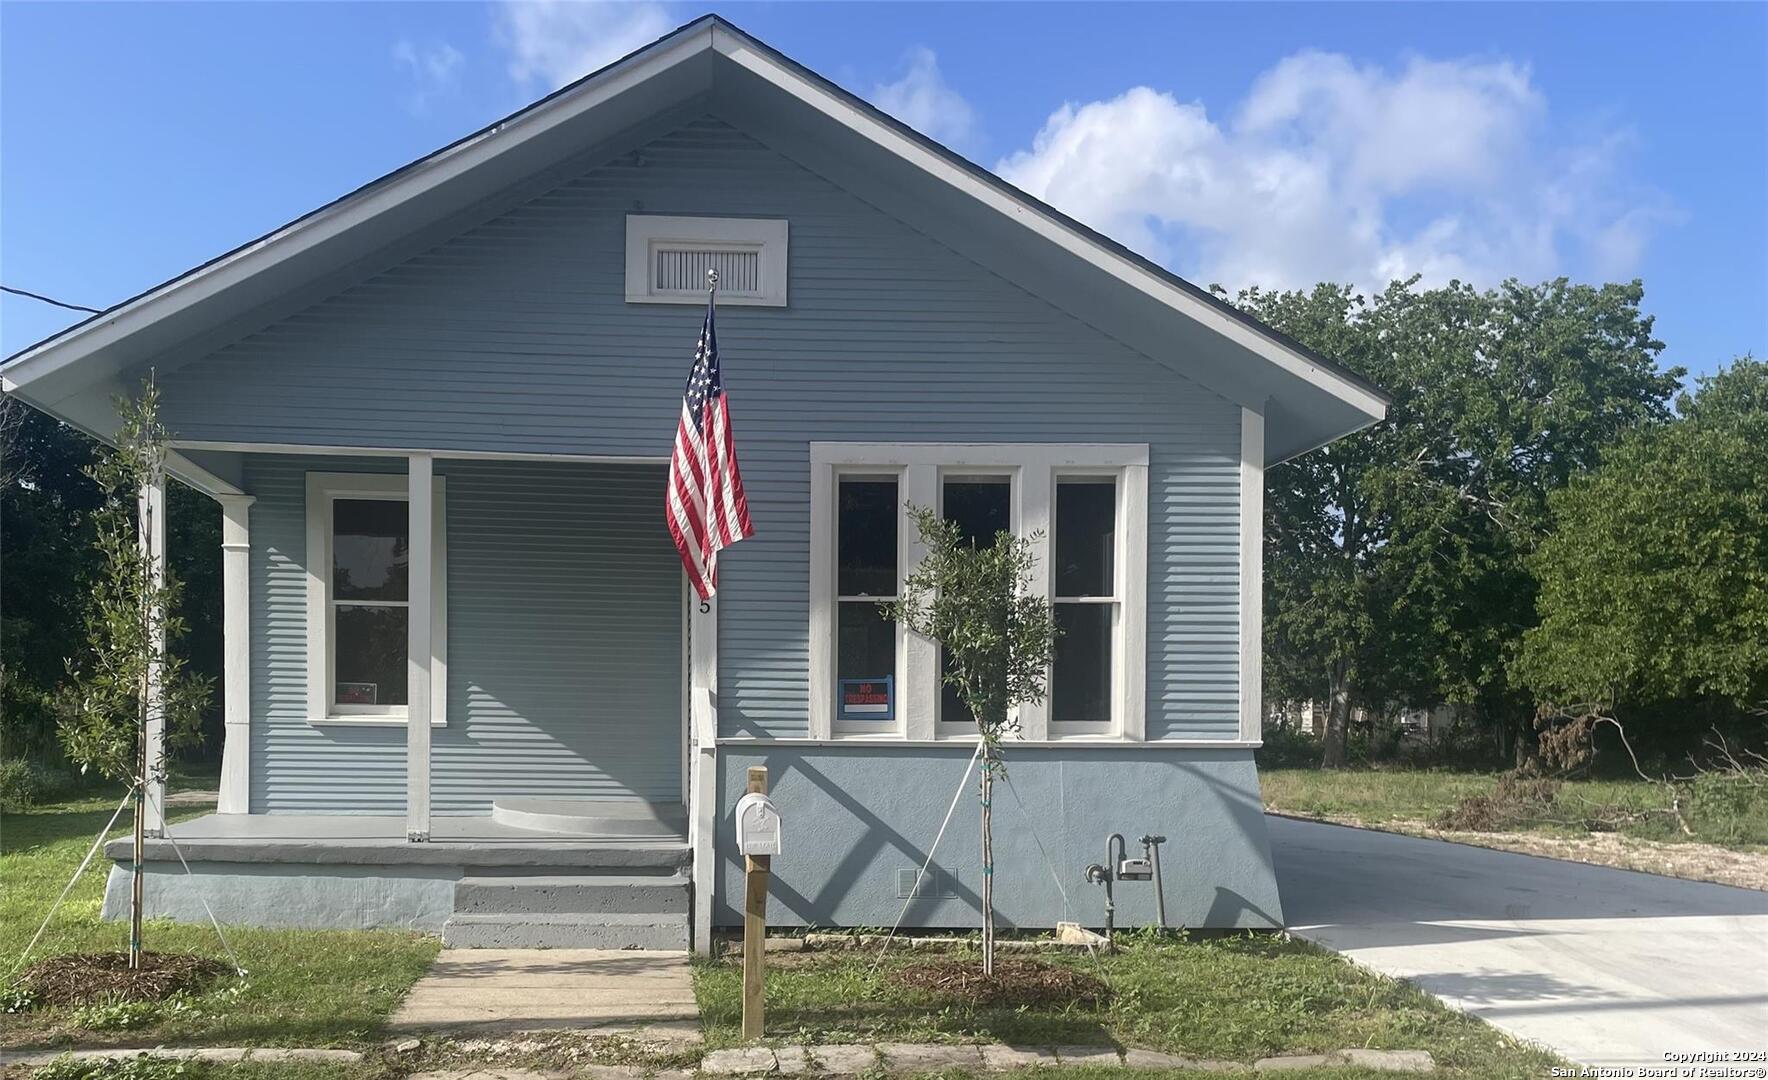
column 303, row 987
column 1228, row 998
column 1387, row 795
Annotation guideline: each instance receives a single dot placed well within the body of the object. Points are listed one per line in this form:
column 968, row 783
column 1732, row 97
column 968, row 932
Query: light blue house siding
column 859, row 821
column 514, row 336
column 565, row 612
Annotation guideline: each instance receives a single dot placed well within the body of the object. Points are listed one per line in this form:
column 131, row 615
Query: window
column 867, row 567
column 1085, row 601
column 667, row 259
column 981, row 506
column 1083, row 508
column 359, row 599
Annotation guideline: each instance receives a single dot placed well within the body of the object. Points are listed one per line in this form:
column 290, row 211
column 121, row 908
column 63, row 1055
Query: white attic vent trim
column 667, row 259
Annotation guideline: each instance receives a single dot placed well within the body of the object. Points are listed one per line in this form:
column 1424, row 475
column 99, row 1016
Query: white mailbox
column 758, row 825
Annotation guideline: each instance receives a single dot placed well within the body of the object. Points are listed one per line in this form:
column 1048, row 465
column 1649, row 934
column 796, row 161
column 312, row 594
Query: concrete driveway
column 1604, row 966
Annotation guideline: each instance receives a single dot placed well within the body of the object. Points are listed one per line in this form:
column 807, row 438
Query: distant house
column 497, row 336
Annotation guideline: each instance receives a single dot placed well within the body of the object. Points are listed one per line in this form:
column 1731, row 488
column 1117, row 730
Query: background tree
column 1654, row 586
column 1395, row 556
column 975, row 602
column 130, row 676
column 46, row 507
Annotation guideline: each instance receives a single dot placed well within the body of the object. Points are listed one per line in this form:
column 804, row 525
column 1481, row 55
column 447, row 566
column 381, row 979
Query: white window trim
column 1035, row 467
column 324, row 488
column 646, row 232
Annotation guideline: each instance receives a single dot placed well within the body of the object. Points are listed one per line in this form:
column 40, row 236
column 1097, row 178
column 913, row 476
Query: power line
column 50, row 300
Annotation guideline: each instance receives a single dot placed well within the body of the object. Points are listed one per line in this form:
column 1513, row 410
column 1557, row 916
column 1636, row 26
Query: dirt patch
column 1015, row 982
column 87, row 978
column 1691, row 861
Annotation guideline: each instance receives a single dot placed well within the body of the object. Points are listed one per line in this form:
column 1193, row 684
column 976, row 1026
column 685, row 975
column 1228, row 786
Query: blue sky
column 1259, row 143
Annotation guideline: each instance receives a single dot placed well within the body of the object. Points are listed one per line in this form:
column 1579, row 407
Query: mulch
column 86, row 978
column 1016, row 981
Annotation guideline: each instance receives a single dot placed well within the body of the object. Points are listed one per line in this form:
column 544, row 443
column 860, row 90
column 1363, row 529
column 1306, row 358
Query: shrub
column 1287, row 748
column 1722, row 804
column 22, row 785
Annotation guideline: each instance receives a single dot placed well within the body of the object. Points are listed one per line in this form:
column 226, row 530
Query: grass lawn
column 1382, row 796
column 303, row 987
column 1225, row 998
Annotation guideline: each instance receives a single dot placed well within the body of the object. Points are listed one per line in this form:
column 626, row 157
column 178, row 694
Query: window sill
column 367, row 721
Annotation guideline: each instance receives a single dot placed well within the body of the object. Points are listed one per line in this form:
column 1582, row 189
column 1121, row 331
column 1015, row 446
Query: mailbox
column 758, row 825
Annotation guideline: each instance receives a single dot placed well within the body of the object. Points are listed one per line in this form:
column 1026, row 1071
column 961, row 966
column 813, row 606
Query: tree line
column 1547, row 526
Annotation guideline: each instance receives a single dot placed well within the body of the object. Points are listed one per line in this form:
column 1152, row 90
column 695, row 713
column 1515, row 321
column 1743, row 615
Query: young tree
column 976, row 603
column 130, row 677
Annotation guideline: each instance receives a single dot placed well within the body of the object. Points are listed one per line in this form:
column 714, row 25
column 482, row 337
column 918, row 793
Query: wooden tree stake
column 754, row 923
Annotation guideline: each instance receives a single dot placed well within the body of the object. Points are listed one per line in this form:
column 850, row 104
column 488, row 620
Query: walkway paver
column 1607, row 967
column 480, row 990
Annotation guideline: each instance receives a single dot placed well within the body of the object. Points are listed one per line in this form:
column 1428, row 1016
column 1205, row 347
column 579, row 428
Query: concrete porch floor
column 380, row 839
column 502, row 990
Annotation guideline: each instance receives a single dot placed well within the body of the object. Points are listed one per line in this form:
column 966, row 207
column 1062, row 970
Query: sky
column 1250, row 144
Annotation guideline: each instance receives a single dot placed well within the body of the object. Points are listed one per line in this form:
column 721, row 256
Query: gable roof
column 1308, row 399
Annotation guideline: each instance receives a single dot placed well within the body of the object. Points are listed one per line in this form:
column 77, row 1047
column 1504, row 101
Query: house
column 476, row 364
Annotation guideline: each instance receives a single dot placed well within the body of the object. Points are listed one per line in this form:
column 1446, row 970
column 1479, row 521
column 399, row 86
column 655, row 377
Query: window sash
column 324, row 490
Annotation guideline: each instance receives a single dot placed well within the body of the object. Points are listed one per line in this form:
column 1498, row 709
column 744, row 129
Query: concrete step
column 565, row 931
column 568, row 894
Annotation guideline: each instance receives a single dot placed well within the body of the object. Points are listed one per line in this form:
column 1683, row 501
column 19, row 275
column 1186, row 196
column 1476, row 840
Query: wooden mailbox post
column 754, row 922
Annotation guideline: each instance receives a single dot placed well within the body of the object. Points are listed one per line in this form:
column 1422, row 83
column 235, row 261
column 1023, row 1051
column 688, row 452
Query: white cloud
column 923, row 100
column 433, row 69
column 1331, row 171
column 552, row 42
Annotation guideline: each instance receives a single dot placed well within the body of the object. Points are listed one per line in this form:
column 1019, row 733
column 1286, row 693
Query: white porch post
column 1252, row 574
column 236, row 680
column 421, row 470
column 151, row 506
column 703, row 762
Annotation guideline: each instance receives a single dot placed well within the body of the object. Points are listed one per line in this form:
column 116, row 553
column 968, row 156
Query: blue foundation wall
column 859, row 820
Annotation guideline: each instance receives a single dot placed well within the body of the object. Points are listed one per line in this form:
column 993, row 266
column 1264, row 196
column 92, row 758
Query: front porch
column 478, row 881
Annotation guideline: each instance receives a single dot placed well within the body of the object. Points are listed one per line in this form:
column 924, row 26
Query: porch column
column 236, row 655
column 420, row 470
column 703, row 761
column 151, row 508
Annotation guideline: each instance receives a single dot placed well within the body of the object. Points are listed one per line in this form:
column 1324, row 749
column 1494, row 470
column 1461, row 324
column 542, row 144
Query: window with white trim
column 359, row 599
column 868, row 572
column 667, row 259
column 1084, row 509
column 1085, row 603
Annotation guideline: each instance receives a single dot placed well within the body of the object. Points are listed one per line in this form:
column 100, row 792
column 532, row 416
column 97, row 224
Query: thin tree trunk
column 988, row 935
column 1338, row 715
column 135, row 882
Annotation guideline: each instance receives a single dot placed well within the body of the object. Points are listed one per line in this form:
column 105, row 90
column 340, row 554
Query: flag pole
column 711, row 285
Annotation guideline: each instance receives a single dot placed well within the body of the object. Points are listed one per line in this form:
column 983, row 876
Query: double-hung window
column 1083, row 509
column 359, row 592
column 1086, row 603
column 868, row 570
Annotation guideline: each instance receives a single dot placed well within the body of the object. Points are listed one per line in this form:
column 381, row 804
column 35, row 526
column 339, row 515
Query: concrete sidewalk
column 469, row 991
column 1607, row 967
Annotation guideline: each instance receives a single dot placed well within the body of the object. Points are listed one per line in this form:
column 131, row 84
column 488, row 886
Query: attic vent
column 667, row 259
column 683, row 269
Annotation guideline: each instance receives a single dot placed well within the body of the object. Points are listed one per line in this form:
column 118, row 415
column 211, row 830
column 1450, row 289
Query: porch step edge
column 612, row 930
column 558, row 894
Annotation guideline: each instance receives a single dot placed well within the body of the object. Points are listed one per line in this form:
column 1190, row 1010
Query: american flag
column 705, row 507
